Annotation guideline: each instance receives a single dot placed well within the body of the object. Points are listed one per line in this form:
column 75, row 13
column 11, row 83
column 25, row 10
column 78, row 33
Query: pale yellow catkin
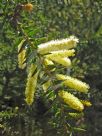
column 31, row 85
column 56, row 45
column 20, row 45
column 29, row 92
column 61, row 54
column 32, row 68
column 86, row 103
column 46, row 85
column 71, row 100
column 48, row 62
column 21, row 55
column 63, row 61
column 22, row 59
column 76, row 115
column 73, row 83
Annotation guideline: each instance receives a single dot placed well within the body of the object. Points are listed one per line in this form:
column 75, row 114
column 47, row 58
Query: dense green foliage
column 50, row 19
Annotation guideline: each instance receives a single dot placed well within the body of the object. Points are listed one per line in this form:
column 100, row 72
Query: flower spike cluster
column 59, row 50
column 51, row 54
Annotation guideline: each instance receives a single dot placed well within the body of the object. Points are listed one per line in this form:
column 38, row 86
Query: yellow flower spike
column 41, row 74
column 28, row 7
column 76, row 115
column 73, row 83
column 62, row 54
column 22, row 59
column 56, row 45
column 61, row 77
column 46, row 85
column 21, row 55
column 20, row 45
column 63, row 61
column 71, row 100
column 48, row 62
column 49, row 65
column 86, row 103
column 29, row 92
column 31, row 87
column 32, row 70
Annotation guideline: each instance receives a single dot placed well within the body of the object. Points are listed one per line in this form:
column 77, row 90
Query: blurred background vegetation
column 49, row 19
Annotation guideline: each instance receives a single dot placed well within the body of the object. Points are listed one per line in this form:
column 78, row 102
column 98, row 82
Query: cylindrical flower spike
column 76, row 115
column 71, row 100
column 61, row 77
column 62, row 54
column 73, row 83
column 22, row 59
column 30, row 89
column 48, row 62
column 86, row 103
column 56, row 45
column 20, row 46
column 63, row 61
column 21, row 55
column 29, row 92
column 32, row 69
column 31, row 86
column 46, row 85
